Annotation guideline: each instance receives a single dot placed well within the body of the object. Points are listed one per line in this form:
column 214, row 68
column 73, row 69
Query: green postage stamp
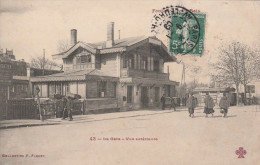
column 187, row 33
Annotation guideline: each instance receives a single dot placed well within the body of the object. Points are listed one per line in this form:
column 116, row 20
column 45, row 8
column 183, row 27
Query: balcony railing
column 125, row 72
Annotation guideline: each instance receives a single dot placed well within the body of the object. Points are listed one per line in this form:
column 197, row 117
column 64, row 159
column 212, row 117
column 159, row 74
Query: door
column 144, row 97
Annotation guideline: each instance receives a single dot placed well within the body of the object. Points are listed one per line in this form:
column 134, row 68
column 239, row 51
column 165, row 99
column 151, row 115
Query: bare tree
column 249, row 66
column 43, row 63
column 63, row 45
column 237, row 64
column 228, row 66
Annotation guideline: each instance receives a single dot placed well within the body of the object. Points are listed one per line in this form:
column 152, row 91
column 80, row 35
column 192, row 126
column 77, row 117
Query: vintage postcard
column 109, row 82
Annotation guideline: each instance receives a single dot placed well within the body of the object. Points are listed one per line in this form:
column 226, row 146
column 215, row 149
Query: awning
column 76, row 75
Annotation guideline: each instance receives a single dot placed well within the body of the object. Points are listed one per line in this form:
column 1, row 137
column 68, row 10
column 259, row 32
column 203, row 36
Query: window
column 52, row 89
column 102, row 85
column 124, row 61
column 156, row 65
column 111, row 89
column 92, row 89
column 67, row 88
column 144, row 63
column 58, row 88
column 156, row 94
column 167, row 90
column 19, row 88
column 129, row 94
column 131, row 62
column 85, row 58
column 82, row 59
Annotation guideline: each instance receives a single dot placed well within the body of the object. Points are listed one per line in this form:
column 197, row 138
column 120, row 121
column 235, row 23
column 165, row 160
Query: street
column 137, row 137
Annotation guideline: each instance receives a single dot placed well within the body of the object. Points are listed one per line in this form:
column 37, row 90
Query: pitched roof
column 120, row 45
column 85, row 74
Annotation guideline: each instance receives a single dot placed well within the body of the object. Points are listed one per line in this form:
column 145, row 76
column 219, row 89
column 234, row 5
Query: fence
column 18, row 109
column 28, row 109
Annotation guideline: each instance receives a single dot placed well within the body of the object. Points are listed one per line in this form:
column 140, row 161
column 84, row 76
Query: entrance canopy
column 76, row 75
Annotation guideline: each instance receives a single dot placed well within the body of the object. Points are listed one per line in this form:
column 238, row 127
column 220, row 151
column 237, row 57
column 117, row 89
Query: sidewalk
column 6, row 124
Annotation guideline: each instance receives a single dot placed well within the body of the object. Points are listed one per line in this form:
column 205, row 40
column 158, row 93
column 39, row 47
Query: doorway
column 144, row 97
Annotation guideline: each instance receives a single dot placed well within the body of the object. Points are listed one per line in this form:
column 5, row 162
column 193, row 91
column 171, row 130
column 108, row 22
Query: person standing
column 163, row 101
column 69, row 107
column 65, row 111
column 191, row 104
column 209, row 105
column 224, row 104
column 172, row 104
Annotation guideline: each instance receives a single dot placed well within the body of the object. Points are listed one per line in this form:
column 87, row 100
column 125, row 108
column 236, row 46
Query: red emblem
column 241, row 152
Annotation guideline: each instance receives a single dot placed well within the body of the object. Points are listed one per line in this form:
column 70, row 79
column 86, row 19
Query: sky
column 28, row 26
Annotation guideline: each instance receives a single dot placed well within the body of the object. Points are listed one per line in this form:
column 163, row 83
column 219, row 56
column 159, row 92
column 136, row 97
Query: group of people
column 172, row 103
column 209, row 105
column 191, row 104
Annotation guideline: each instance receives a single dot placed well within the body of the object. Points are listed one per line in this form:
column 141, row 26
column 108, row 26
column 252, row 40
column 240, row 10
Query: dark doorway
column 129, row 94
column 144, row 97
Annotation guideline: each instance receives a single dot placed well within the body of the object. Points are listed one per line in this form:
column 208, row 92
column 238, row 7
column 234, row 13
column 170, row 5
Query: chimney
column 73, row 37
column 110, row 35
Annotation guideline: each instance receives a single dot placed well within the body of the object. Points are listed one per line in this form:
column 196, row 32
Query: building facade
column 124, row 73
column 15, row 77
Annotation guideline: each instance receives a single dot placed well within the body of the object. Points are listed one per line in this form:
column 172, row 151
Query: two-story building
column 124, row 73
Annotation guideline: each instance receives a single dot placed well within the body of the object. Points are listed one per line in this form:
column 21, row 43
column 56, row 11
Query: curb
column 44, row 124
column 26, row 125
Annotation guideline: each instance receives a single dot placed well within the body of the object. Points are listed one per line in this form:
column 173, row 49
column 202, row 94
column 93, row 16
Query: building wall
column 136, row 97
column 109, row 64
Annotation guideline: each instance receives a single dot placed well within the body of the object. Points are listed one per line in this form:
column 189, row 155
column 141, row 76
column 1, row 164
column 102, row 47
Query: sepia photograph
column 128, row 82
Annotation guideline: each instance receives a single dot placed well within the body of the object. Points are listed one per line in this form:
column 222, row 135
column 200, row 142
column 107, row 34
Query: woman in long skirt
column 209, row 105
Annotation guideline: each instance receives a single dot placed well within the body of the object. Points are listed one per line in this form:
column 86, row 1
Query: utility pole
column 43, row 63
column 183, row 74
column 41, row 112
column 119, row 34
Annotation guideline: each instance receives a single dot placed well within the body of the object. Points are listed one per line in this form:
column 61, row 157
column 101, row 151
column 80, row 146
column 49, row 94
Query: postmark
column 184, row 29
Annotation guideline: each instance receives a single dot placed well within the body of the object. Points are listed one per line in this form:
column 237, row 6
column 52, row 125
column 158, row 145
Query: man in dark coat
column 163, row 101
column 224, row 104
column 191, row 104
column 69, row 107
column 65, row 111
column 172, row 104
column 209, row 105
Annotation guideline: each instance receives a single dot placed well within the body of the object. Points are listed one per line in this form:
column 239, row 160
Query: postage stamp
column 187, row 33
column 185, row 29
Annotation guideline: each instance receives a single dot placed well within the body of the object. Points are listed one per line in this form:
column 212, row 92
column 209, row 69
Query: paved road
column 175, row 138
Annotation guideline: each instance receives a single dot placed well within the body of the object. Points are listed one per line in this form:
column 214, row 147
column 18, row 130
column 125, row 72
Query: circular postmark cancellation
column 182, row 28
